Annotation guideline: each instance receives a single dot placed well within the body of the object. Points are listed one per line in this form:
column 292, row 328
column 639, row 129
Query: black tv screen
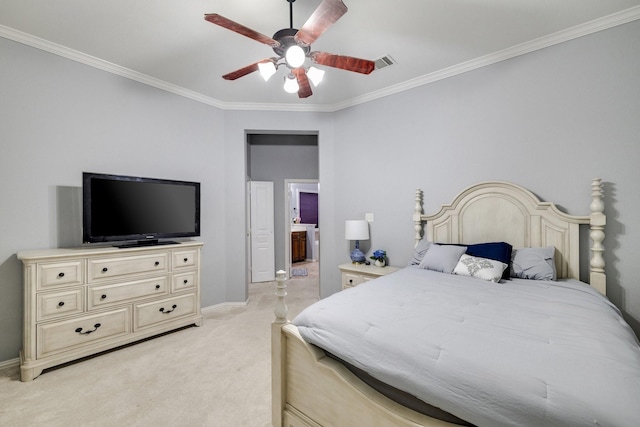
column 124, row 208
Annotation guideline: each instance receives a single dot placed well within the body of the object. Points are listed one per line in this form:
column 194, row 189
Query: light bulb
column 315, row 75
column 294, row 56
column 267, row 69
column 291, row 84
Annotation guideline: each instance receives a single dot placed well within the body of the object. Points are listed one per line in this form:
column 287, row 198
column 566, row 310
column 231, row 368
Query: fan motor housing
column 286, row 37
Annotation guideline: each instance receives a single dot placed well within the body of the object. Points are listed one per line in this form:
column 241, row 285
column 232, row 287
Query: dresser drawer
column 108, row 268
column 51, row 305
column 106, row 295
column 184, row 281
column 67, row 273
column 185, row 259
column 82, row 331
column 155, row 312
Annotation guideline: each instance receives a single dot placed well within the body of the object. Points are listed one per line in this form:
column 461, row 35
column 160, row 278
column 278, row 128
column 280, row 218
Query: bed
column 317, row 381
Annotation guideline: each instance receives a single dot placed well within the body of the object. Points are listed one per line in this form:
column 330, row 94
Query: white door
column 262, row 244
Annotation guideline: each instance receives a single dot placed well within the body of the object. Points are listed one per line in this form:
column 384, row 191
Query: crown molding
column 92, row 61
column 585, row 29
column 247, row 106
column 581, row 30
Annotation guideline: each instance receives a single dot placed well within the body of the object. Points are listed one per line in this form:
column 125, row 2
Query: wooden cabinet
column 298, row 246
column 355, row 274
column 78, row 302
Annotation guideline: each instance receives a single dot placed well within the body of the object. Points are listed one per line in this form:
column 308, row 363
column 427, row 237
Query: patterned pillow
column 481, row 268
column 498, row 251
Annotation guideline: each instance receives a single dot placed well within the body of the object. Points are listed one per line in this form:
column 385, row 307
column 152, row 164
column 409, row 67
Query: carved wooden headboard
column 499, row 211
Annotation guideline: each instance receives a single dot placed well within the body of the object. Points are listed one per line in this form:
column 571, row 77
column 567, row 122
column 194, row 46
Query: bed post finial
column 597, row 221
column 281, row 309
column 417, row 220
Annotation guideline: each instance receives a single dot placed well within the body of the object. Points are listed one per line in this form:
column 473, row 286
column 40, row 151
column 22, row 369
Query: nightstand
column 355, row 274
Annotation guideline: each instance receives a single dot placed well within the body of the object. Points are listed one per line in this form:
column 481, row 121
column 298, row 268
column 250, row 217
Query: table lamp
column 356, row 230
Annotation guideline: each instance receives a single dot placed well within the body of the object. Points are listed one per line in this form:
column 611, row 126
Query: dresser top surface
column 84, row 251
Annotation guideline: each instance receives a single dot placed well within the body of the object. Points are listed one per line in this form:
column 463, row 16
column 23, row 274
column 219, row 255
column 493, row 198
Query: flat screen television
column 139, row 211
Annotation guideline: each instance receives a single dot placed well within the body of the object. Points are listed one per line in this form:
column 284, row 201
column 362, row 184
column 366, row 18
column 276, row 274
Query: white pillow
column 421, row 248
column 442, row 258
column 481, row 268
column 534, row 263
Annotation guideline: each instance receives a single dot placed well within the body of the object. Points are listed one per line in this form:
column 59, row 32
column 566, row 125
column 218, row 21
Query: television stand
column 83, row 301
column 142, row 243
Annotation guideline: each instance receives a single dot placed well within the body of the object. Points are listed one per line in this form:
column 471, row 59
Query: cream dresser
column 355, row 274
column 82, row 301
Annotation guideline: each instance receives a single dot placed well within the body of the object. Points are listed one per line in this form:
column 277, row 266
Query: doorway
column 277, row 157
column 302, row 228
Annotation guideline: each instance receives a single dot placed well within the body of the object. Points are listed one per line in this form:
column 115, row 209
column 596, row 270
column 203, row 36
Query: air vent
column 384, row 62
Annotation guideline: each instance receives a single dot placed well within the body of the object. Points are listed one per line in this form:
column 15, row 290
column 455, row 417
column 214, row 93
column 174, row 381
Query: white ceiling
column 167, row 43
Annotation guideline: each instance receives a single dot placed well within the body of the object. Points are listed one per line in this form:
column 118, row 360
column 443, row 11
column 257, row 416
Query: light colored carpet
column 218, row 374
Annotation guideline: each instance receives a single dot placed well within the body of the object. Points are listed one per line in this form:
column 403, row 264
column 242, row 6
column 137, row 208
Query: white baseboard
column 222, row 306
column 10, row 364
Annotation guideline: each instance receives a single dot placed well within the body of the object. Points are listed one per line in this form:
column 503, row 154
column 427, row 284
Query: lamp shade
column 267, row 69
column 290, row 84
column 315, row 75
column 357, row 229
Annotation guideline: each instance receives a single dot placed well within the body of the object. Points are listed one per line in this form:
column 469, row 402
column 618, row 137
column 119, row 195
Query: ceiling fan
column 293, row 47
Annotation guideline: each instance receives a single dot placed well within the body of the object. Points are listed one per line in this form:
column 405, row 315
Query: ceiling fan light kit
column 295, row 56
column 267, row 69
column 291, row 84
column 293, row 47
column 315, row 75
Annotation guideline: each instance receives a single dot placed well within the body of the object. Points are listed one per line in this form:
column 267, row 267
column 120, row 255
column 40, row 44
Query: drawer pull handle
column 61, row 303
column 61, row 275
column 105, row 269
column 173, row 307
column 96, row 326
column 157, row 263
column 186, row 281
column 186, row 259
column 103, row 296
column 157, row 286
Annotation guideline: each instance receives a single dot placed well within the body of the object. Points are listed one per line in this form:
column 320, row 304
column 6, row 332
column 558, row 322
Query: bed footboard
column 310, row 389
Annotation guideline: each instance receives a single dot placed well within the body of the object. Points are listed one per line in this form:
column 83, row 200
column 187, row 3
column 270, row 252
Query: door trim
column 287, row 218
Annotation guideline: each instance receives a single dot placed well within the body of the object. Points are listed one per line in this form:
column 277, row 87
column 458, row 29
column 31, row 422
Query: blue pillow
column 497, row 251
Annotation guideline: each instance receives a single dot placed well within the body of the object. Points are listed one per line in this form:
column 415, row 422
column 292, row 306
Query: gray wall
column 238, row 124
column 276, row 158
column 60, row 118
column 551, row 121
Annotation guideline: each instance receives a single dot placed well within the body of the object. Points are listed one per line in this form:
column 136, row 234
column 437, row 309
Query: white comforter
column 521, row 352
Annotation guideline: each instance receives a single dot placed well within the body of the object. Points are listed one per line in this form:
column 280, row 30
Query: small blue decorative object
column 379, row 255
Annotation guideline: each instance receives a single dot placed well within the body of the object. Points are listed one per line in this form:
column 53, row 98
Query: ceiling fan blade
column 244, row 71
column 327, row 13
column 220, row 20
column 304, row 90
column 348, row 63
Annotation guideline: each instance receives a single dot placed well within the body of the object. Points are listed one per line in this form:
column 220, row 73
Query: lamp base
column 357, row 256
